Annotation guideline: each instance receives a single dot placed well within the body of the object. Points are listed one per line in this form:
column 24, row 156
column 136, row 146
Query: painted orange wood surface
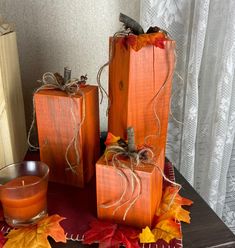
column 56, row 129
column 109, row 188
column 134, row 80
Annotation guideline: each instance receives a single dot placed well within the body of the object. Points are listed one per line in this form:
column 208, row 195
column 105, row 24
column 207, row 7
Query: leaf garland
column 107, row 234
column 36, row 236
column 138, row 41
column 167, row 227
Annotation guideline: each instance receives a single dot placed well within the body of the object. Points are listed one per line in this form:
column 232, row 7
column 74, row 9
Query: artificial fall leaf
column 139, row 41
column 147, row 236
column 170, row 206
column 50, row 226
column 2, row 240
column 176, row 212
column 167, row 230
column 36, row 236
column 111, row 139
column 109, row 235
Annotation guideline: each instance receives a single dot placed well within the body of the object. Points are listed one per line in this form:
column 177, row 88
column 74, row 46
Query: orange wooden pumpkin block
column 56, row 124
column 135, row 78
column 110, row 186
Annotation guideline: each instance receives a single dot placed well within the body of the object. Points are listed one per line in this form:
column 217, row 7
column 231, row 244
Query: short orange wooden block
column 55, row 122
column 134, row 80
column 109, row 188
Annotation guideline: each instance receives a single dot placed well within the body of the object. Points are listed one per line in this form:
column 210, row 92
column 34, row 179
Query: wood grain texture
column 134, row 80
column 56, row 129
column 110, row 185
column 13, row 140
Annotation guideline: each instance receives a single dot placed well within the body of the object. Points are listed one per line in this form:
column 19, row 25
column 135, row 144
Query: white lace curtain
column 203, row 96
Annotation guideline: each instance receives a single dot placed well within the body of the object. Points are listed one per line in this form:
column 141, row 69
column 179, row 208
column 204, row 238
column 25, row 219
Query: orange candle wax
column 24, row 197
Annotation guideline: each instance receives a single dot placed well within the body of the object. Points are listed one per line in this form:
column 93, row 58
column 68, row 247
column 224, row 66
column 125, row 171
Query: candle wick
column 22, row 182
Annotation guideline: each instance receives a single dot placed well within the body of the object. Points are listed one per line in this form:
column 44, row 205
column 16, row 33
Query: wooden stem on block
column 131, row 139
column 132, row 24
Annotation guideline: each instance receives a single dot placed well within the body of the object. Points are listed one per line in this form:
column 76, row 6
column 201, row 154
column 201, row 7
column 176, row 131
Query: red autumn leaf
column 160, row 44
column 100, row 232
column 109, row 235
column 131, row 40
column 130, row 236
column 137, row 42
column 2, row 240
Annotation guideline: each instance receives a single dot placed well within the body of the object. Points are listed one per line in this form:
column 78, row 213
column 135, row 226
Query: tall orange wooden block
column 140, row 89
column 56, row 125
column 110, row 185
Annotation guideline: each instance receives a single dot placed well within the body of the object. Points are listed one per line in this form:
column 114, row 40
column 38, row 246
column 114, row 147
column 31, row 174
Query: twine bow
column 52, row 81
column 136, row 158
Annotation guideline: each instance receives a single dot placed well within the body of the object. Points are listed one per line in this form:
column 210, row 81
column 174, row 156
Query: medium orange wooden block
column 55, row 122
column 109, row 188
column 134, row 80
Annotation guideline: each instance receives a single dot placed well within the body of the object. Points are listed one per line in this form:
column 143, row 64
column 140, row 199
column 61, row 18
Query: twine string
column 71, row 87
column 122, row 165
column 155, row 97
column 125, row 180
column 102, row 90
column 172, row 96
column 136, row 185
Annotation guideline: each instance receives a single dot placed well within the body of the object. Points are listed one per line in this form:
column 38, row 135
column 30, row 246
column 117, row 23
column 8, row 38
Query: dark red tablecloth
column 78, row 206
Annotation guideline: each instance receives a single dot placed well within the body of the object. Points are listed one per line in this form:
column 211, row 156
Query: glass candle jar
column 23, row 192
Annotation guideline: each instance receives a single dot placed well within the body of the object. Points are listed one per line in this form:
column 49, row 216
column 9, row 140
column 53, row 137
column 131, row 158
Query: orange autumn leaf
column 167, row 230
column 176, row 212
column 36, row 236
column 171, row 192
column 50, row 226
column 111, row 139
column 170, row 206
column 137, row 42
column 146, row 236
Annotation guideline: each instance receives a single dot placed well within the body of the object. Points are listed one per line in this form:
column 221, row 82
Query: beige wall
column 56, row 33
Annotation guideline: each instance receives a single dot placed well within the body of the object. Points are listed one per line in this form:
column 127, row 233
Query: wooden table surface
column 206, row 229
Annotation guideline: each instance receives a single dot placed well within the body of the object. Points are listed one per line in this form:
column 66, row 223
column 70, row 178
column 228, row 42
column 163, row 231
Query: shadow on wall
column 53, row 34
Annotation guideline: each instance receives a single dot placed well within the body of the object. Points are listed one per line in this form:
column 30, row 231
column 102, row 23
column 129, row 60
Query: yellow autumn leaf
column 36, row 236
column 147, row 236
column 26, row 237
column 167, row 230
column 170, row 206
column 176, row 212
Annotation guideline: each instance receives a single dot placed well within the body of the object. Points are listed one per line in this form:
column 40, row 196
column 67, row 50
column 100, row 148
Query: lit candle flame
column 22, row 182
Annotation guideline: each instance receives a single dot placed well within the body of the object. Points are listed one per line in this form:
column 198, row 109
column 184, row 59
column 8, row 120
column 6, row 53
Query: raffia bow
column 52, row 81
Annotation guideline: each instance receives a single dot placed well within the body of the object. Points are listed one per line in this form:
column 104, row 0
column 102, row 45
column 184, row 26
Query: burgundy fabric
column 78, row 206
